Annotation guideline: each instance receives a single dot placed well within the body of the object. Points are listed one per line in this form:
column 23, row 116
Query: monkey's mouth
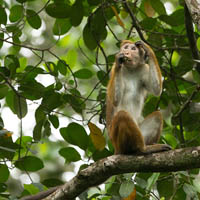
column 124, row 59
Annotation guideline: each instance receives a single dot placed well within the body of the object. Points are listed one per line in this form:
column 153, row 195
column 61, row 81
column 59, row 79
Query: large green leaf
column 75, row 134
column 77, row 7
column 54, row 120
column 33, row 19
column 70, row 154
column 17, row 104
column 158, row 7
column 88, row 38
column 58, row 10
column 51, row 100
column 4, row 173
column 32, row 89
column 3, row 90
column 61, row 26
column 16, row 13
column 3, row 16
column 29, row 163
column 175, row 19
column 83, row 74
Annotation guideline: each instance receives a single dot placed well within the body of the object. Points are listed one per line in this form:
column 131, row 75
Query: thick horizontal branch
column 100, row 171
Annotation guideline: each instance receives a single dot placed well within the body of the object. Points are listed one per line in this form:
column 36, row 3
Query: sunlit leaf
column 96, row 136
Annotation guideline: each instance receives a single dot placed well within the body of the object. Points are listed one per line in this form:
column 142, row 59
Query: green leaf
column 3, row 90
column 52, row 182
column 32, row 89
column 158, row 7
column 33, row 19
column 12, row 63
column 71, row 57
column 34, row 188
column 40, row 115
column 77, row 7
column 77, row 104
column 21, row 1
column 4, row 173
column 3, row 16
column 103, row 77
column 58, row 10
column 171, row 140
column 17, row 104
column 20, row 106
column 75, row 134
column 175, row 19
column 51, row 100
column 126, row 188
column 54, row 120
column 1, row 37
column 94, row 2
column 83, row 74
column 88, row 38
column 70, row 154
column 162, row 185
column 16, row 13
column 62, row 67
column 37, row 131
column 47, row 129
column 3, row 187
column 152, row 180
column 61, row 26
column 29, row 163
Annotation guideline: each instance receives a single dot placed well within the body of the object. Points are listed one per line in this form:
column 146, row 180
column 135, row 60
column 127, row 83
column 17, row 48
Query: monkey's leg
column 151, row 129
column 125, row 134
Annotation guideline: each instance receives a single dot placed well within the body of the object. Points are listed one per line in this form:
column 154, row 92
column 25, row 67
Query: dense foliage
column 55, row 59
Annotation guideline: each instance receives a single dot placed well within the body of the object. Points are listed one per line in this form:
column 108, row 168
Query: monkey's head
column 132, row 54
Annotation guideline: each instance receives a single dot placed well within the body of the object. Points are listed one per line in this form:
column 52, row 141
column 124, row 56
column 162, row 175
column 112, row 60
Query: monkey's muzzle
column 122, row 58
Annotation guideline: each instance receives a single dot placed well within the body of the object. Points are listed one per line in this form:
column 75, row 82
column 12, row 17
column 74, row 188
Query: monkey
column 135, row 73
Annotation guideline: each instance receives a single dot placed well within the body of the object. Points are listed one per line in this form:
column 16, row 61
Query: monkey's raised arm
column 154, row 80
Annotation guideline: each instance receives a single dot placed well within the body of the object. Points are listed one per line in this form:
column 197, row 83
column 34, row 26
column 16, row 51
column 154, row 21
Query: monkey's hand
column 146, row 49
column 119, row 60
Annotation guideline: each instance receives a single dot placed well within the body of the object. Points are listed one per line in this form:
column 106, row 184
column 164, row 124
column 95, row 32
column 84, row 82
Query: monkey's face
column 131, row 55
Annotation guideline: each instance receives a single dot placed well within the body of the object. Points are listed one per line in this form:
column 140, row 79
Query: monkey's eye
column 133, row 48
column 126, row 47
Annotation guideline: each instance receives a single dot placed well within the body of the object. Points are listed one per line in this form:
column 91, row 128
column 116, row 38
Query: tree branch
column 100, row 171
column 194, row 8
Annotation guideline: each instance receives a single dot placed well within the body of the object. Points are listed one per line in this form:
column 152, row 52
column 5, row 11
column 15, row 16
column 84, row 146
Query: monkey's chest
column 132, row 99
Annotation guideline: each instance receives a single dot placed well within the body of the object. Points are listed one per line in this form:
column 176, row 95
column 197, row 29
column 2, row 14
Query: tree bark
column 100, row 171
column 194, row 9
